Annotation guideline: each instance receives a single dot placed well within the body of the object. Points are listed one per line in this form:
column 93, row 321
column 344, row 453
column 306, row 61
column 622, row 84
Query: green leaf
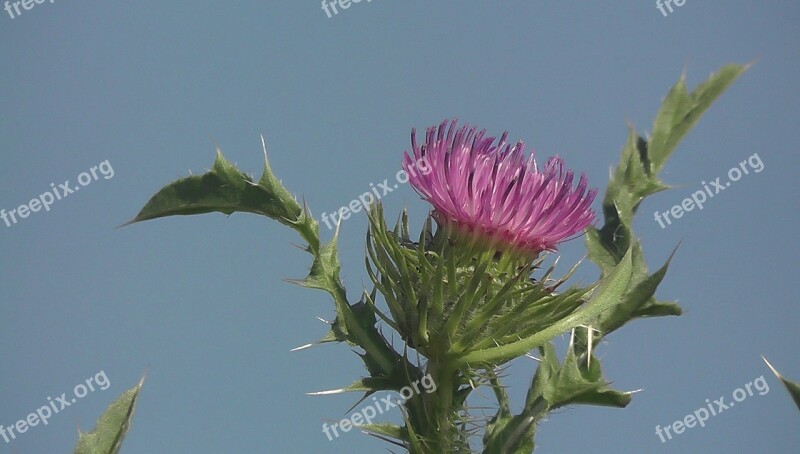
column 576, row 383
column 634, row 179
column 605, row 296
column 509, row 435
column 638, row 297
column 227, row 190
column 680, row 111
column 792, row 387
column 554, row 386
column 106, row 438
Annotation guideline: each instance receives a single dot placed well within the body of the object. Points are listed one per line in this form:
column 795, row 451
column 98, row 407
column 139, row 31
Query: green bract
column 447, row 300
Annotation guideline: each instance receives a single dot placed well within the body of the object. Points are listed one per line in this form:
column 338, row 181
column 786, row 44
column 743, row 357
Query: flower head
column 490, row 191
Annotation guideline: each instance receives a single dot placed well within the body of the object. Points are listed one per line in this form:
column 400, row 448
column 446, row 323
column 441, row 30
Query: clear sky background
column 199, row 302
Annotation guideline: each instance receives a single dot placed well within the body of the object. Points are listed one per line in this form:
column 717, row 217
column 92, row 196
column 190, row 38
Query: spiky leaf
column 634, row 179
column 223, row 189
column 106, row 438
column 792, row 387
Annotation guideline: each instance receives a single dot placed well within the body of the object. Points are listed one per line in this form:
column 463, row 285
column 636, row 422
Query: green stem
column 439, row 431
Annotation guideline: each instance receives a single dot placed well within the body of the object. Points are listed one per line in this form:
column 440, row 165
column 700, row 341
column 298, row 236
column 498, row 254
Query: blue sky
column 199, row 302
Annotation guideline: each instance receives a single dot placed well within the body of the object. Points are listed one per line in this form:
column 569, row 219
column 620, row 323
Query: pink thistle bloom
column 492, row 193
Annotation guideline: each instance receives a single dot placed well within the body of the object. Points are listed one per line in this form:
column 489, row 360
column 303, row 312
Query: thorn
column 302, row 347
column 327, row 393
column 300, row 246
column 216, row 145
column 298, row 282
column 338, row 225
column 589, row 333
column 324, row 321
column 774, row 371
column 264, row 145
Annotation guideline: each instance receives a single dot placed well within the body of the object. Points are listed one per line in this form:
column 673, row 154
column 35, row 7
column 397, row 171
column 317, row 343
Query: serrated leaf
column 635, row 299
column 111, row 428
column 226, row 190
column 680, row 111
column 635, row 178
column 572, row 382
column 575, row 384
column 223, row 189
column 554, row 385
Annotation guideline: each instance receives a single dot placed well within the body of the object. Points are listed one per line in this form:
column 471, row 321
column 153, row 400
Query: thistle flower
column 490, row 192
